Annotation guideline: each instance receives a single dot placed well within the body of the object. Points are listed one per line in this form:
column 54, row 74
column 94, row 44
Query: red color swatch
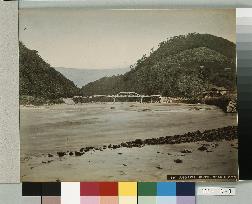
column 89, row 189
column 108, row 189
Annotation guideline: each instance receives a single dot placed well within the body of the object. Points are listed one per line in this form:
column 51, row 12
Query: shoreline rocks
column 226, row 133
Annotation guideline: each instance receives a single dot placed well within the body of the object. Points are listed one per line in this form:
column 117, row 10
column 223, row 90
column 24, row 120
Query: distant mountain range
column 82, row 77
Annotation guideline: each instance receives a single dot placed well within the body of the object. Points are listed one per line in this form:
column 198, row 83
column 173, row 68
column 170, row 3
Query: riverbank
column 145, row 160
column 226, row 102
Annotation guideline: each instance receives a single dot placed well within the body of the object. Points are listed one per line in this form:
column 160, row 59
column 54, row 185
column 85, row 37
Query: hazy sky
column 100, row 39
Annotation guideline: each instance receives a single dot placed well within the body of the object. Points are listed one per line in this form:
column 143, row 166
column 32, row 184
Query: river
column 48, row 129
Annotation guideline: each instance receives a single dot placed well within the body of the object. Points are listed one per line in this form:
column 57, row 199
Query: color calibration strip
column 166, row 193
column 244, row 86
column 108, row 193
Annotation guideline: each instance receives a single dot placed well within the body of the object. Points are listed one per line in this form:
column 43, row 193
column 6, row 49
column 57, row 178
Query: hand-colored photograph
column 109, row 94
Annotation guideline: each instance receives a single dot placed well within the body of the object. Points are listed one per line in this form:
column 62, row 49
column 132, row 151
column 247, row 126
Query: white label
column 218, row 191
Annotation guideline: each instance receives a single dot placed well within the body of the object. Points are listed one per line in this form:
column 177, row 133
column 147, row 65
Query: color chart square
column 166, row 189
column 166, row 200
column 108, row 189
column 146, row 199
column 109, row 200
column 147, row 189
column 127, row 188
column 51, row 189
column 32, row 189
column 90, row 200
column 89, row 189
column 31, row 200
column 51, row 200
column 186, row 200
column 185, row 189
column 127, row 199
column 70, row 193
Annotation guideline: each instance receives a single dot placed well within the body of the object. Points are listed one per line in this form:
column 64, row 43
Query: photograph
column 126, row 94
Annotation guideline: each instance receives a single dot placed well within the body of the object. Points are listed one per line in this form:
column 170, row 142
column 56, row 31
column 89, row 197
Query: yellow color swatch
column 127, row 199
column 127, row 188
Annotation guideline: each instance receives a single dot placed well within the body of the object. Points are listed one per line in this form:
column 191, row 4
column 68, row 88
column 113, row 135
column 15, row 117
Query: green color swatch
column 147, row 189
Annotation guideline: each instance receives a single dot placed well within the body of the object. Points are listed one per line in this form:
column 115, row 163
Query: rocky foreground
column 145, row 160
column 226, row 133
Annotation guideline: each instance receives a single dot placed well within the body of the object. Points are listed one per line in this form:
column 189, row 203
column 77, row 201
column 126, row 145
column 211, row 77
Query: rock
column 119, row 153
column 202, row 148
column 61, row 154
column 138, row 141
column 173, row 142
column 195, row 108
column 232, row 106
column 89, row 148
column 82, row 149
column 71, row 153
column 124, row 144
column 178, row 161
column 158, row 167
column 112, row 107
column 115, row 146
column 50, row 155
column 124, row 164
column 78, row 153
column 186, row 151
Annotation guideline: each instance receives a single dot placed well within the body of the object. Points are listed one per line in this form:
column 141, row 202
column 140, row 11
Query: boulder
column 232, row 106
column 178, row 161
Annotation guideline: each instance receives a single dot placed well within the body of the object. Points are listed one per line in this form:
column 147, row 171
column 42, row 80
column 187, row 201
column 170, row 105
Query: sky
column 104, row 39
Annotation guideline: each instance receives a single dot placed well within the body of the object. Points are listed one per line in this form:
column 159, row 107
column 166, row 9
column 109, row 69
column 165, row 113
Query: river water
column 64, row 127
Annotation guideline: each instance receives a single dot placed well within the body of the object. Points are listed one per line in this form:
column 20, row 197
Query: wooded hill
column 38, row 79
column 182, row 66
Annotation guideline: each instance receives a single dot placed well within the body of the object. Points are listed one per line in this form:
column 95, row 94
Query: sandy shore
column 142, row 162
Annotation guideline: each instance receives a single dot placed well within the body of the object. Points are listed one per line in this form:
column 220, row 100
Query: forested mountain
column 39, row 79
column 184, row 65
